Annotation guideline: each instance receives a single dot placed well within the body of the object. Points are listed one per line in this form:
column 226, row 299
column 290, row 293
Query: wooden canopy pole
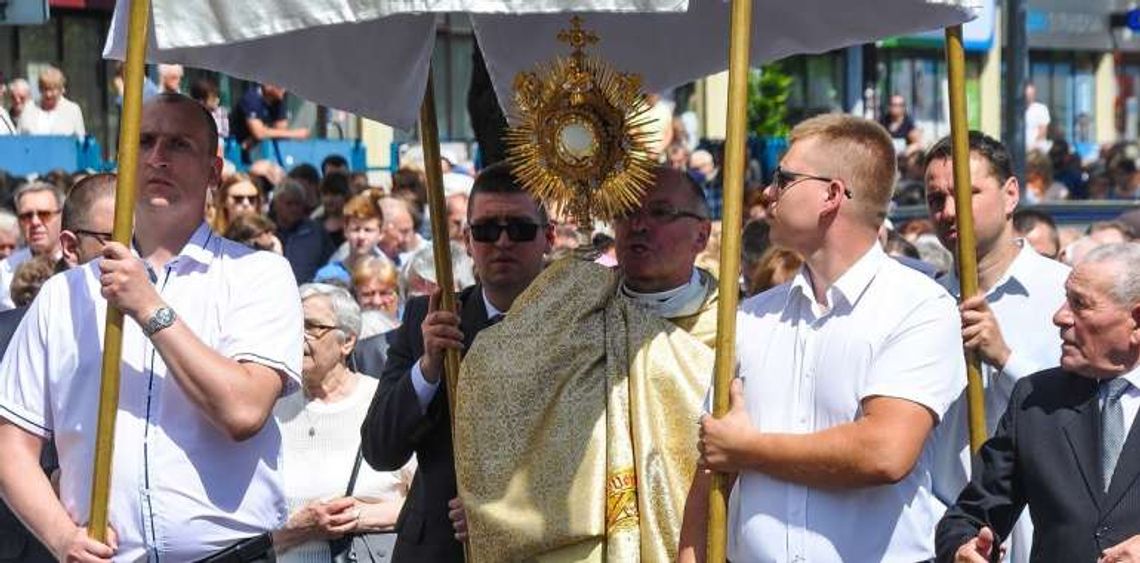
column 729, row 288
column 124, row 225
column 963, row 206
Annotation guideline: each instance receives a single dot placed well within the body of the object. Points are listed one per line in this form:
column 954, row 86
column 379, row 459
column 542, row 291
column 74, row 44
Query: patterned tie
column 1112, row 427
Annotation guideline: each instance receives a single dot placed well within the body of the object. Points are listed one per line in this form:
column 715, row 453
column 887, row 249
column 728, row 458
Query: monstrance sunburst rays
column 582, row 142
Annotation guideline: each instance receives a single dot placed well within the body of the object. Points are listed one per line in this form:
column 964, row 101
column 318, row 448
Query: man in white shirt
column 38, row 211
column 844, row 373
column 54, row 114
column 1008, row 324
column 212, row 338
column 1037, row 121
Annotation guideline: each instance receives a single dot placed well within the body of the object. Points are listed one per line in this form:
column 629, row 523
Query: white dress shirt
column 1023, row 300
column 886, row 330
column 181, row 488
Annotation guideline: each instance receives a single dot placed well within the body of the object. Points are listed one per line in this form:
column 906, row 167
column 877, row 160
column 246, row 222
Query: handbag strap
column 355, row 470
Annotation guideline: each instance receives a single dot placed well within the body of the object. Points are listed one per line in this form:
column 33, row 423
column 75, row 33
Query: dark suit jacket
column 1045, row 455
column 395, row 428
column 370, row 354
column 16, row 542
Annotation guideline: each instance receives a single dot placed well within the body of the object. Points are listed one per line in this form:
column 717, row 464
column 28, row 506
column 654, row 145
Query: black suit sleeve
column 993, row 497
column 395, row 424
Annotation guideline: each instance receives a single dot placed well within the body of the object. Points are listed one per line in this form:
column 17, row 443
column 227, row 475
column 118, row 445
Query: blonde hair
column 860, row 153
column 373, row 268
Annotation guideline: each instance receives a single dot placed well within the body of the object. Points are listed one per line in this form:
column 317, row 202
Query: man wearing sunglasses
column 38, row 207
column 212, row 337
column 90, row 208
column 843, row 373
column 508, row 234
column 1009, row 323
column 578, row 412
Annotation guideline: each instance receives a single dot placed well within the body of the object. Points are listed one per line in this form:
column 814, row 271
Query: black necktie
column 494, row 320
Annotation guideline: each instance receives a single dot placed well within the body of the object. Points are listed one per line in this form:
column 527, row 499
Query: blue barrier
column 21, row 155
column 289, row 153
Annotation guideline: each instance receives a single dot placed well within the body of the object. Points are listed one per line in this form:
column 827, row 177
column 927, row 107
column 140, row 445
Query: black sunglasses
column 102, row 237
column 783, row 179
column 517, row 230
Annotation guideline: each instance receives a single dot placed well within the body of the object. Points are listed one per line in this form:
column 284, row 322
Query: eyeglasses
column 517, row 230
column 317, row 331
column 660, row 213
column 44, row 215
column 250, row 199
column 783, row 180
column 103, row 238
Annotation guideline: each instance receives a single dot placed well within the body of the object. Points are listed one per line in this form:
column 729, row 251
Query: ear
column 1136, row 323
column 69, row 245
column 703, row 234
column 835, row 194
column 215, row 172
column 548, row 235
column 1012, row 192
column 347, row 346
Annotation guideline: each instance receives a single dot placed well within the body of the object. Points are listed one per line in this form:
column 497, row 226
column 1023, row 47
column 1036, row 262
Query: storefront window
column 817, row 84
column 920, row 78
column 1065, row 83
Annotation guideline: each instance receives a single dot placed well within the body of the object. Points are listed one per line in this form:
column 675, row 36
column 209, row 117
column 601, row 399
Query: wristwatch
column 162, row 318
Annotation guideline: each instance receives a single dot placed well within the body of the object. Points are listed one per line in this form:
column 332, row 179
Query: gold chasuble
column 576, row 422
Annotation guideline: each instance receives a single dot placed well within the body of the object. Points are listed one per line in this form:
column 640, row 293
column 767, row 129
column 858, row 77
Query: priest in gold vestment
column 576, row 422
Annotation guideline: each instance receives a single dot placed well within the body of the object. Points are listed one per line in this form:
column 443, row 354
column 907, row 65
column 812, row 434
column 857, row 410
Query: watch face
column 164, row 316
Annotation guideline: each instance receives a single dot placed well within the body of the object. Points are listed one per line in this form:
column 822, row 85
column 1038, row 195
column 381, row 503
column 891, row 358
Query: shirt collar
column 198, row 247
column 850, row 285
column 1020, row 269
column 491, row 309
column 1133, row 377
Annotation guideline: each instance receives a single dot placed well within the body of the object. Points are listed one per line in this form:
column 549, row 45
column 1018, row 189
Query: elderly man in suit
column 1058, row 447
column 508, row 234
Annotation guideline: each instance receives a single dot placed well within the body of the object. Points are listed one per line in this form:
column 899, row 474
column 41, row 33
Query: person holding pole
column 508, row 235
column 1066, row 446
column 1008, row 323
column 576, row 417
column 843, row 374
column 214, row 339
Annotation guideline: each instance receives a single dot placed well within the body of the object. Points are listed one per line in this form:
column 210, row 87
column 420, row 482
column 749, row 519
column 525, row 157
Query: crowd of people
column 283, row 390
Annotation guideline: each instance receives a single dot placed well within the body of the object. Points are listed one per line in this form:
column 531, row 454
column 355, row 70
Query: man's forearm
column 236, row 398
column 28, row 491
column 840, row 457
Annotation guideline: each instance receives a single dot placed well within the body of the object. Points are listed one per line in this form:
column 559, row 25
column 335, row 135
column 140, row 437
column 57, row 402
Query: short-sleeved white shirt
column 888, row 331
column 181, row 488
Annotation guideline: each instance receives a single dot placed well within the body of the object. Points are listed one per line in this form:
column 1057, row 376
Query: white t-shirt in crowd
column 7, row 272
column 1036, row 116
column 807, row 367
column 64, row 119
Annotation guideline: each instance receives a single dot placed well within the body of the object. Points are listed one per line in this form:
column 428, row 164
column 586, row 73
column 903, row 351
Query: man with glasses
column 38, row 207
column 88, row 215
column 843, row 373
column 576, row 417
column 212, row 337
column 508, row 234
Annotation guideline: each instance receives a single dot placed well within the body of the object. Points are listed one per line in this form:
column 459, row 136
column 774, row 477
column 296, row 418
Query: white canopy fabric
column 371, row 57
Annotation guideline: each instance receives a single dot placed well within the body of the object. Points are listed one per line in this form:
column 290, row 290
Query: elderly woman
column 320, row 433
column 375, row 282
